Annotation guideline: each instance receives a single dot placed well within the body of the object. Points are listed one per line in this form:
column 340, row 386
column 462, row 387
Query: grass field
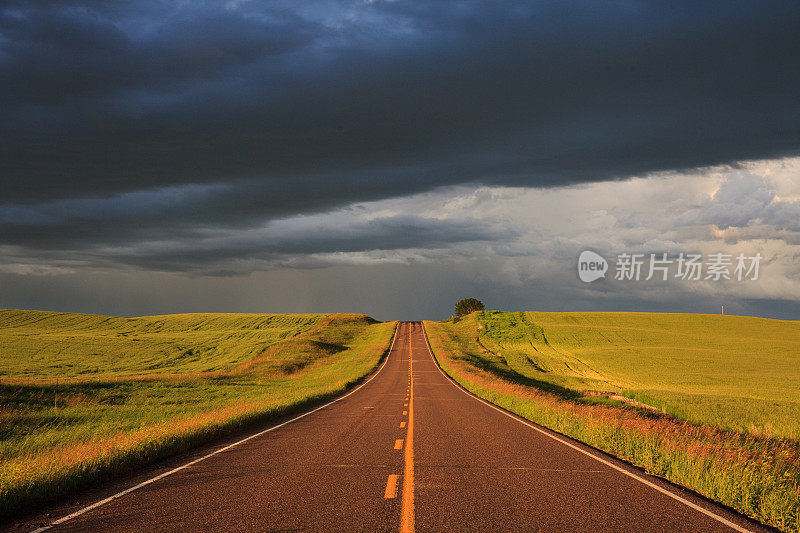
column 739, row 373
column 40, row 344
column 728, row 386
column 85, row 397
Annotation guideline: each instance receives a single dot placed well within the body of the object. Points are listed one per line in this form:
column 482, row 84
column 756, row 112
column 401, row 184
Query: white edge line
column 212, row 454
column 565, row 442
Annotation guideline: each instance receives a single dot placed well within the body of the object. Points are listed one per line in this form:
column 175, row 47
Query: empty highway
column 407, row 450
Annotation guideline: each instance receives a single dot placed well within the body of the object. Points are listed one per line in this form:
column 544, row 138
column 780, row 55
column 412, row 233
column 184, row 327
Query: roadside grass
column 103, row 428
column 487, row 353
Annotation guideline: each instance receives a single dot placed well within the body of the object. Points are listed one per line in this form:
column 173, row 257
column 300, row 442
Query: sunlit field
column 706, row 401
column 733, row 372
column 85, row 397
column 42, row 344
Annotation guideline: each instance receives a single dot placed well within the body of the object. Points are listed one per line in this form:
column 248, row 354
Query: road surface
column 408, row 450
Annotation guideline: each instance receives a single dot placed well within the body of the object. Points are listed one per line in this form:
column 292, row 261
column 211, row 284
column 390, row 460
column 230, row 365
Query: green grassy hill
column 732, row 372
column 85, row 397
column 40, row 344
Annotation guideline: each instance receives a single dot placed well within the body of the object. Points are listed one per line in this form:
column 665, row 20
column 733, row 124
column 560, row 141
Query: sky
column 392, row 157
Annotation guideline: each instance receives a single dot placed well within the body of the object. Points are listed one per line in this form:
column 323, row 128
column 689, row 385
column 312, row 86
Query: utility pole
column 723, row 309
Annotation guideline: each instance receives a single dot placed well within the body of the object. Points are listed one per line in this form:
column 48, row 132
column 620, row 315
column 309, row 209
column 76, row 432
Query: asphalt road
column 408, row 450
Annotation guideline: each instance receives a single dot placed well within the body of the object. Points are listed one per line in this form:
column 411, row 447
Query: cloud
column 103, row 99
column 299, row 242
column 515, row 247
column 491, row 141
column 511, row 235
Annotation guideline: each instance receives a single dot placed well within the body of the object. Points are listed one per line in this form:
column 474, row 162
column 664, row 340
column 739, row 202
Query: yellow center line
column 391, row 486
column 407, row 503
column 402, row 424
column 398, row 444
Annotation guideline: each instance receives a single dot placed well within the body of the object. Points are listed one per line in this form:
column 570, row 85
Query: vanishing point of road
column 407, row 450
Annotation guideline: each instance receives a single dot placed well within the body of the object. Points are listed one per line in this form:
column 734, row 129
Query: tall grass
column 103, row 428
column 756, row 475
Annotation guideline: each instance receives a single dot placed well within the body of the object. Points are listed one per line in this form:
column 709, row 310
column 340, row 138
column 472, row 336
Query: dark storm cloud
column 289, row 243
column 298, row 247
column 62, row 55
column 213, row 115
column 179, row 212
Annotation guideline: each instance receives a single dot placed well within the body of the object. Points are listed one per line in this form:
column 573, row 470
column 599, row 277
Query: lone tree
column 467, row 306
